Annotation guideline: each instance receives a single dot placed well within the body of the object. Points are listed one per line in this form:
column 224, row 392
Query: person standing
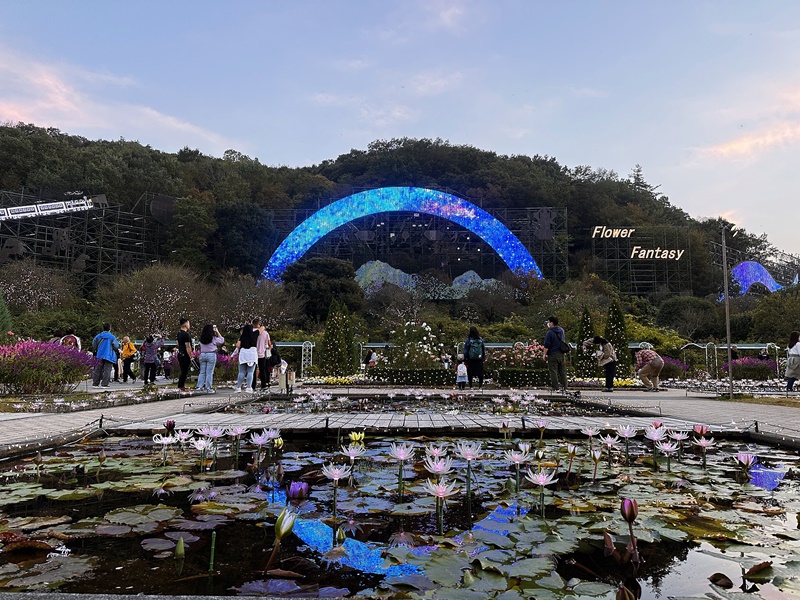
column 210, row 338
column 606, row 357
column 248, row 358
column 461, row 374
column 648, row 366
column 105, row 346
column 555, row 344
column 792, row 360
column 184, row 350
column 127, row 352
column 150, row 350
column 474, row 355
column 264, row 349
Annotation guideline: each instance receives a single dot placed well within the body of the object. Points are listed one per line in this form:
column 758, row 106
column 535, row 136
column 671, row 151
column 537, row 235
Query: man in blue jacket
column 104, row 346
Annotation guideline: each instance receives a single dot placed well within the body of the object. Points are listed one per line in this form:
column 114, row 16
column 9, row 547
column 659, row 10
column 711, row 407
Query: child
column 461, row 374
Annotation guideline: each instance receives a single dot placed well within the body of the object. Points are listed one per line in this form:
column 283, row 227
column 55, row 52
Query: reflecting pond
column 658, row 512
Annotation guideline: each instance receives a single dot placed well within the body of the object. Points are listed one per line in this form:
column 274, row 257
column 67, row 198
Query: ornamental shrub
column 516, row 357
column 522, row 378
column 415, row 347
column 585, row 361
column 673, row 368
column 751, row 368
column 39, row 368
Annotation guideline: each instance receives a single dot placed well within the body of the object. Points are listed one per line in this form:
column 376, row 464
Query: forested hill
column 222, row 189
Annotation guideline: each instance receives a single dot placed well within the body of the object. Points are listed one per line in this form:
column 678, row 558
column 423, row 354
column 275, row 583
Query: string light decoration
column 396, row 199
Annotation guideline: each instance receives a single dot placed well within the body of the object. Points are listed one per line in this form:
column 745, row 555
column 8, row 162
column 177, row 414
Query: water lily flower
column 655, row 434
column 169, row 425
column 438, row 466
column 440, row 489
column 629, row 509
column 609, row 441
column 541, row 478
column 353, row 451
column 202, row 444
column 626, row 431
column 236, row 431
column 165, row 440
column 356, row 437
column 469, row 450
column 668, row 448
column 298, row 490
column 435, row 451
column 704, row 444
column 590, row 432
column 336, row 472
column 700, row 430
column 183, row 436
column 259, row 439
column 273, row 433
column 658, row 424
column 516, row 457
column 746, row 460
column 524, row 446
column 596, row 456
column 284, row 524
column 401, row 451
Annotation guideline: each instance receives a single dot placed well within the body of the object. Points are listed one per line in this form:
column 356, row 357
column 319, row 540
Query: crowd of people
column 254, row 351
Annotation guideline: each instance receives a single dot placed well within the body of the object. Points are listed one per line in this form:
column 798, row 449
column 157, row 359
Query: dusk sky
column 704, row 95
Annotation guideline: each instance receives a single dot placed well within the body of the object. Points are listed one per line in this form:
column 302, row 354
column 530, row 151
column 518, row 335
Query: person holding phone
column 210, row 338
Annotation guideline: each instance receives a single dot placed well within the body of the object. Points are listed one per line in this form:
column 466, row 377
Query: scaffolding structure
column 614, row 260
column 415, row 242
column 103, row 241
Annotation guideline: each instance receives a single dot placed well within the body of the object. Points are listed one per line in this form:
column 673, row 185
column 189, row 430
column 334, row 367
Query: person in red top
column 648, row 366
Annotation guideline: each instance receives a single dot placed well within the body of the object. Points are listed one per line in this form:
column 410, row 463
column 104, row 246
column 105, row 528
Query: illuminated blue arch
column 393, row 199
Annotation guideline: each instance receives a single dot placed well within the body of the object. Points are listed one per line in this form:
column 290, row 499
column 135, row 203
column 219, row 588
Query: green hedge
column 519, row 378
column 432, row 377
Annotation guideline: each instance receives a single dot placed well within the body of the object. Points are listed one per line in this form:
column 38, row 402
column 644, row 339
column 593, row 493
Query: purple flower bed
column 673, row 368
column 40, row 368
column 752, row 368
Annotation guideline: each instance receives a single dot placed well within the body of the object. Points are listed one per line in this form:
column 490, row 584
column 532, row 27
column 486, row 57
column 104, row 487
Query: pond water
column 107, row 515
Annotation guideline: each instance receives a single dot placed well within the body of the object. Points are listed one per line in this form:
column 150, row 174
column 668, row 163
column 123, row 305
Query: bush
column 673, row 368
column 515, row 357
column 39, row 368
column 415, row 377
column 225, row 369
column 752, row 368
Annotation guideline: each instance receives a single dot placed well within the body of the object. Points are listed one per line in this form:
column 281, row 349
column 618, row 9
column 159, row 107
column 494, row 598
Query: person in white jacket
column 792, row 360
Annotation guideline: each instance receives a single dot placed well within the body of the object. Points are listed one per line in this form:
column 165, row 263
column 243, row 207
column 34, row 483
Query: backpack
column 475, row 349
column 564, row 347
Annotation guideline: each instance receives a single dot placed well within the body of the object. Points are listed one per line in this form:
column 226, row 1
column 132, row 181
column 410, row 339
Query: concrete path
column 25, row 433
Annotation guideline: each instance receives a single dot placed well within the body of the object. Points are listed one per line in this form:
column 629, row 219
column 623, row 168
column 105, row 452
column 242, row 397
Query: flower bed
column 751, row 368
column 673, row 368
column 39, row 368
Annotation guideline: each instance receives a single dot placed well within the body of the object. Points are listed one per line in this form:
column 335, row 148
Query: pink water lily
column 440, row 489
column 516, row 457
column 401, row 451
column 626, row 431
column 336, row 472
column 469, row 450
column 435, row 451
column 655, row 433
column 438, row 466
column 700, row 430
column 541, row 478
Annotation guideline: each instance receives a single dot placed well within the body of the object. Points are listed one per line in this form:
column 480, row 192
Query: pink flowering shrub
column 517, row 357
column 751, row 368
column 39, row 368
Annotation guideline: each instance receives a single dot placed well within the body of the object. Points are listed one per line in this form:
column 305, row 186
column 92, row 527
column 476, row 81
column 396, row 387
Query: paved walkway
column 25, row 433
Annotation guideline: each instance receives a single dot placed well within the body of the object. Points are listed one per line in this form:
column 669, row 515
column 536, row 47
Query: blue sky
column 704, row 95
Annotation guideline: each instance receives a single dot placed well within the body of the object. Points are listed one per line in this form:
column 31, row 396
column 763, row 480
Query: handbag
column 275, row 358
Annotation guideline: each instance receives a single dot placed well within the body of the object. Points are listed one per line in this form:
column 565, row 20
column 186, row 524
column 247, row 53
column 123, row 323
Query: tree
column 154, row 299
column 692, row 317
column 5, row 317
column 585, row 363
column 244, row 237
column 339, row 356
column 31, row 287
column 617, row 334
column 322, row 280
column 193, row 223
column 240, row 298
column 776, row 316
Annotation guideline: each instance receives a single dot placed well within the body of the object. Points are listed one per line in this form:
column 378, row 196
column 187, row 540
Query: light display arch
column 402, row 199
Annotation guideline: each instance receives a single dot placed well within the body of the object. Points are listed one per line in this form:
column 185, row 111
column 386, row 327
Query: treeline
column 224, row 213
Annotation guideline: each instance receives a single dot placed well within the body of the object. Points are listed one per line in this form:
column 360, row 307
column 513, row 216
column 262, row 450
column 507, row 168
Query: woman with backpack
column 474, row 355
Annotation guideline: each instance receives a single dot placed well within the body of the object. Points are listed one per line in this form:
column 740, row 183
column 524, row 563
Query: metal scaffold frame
column 103, row 241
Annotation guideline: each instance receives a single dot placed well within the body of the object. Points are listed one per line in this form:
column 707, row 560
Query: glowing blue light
column 767, row 479
column 749, row 272
column 409, row 199
column 358, row 555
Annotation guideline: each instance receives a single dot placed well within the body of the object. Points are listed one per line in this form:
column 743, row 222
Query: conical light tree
column 585, row 363
column 338, row 342
column 617, row 334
